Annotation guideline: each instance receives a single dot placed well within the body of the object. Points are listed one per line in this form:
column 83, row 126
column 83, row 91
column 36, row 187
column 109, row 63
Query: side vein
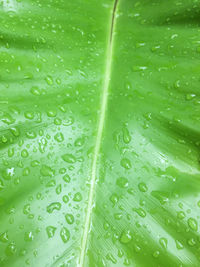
column 99, row 137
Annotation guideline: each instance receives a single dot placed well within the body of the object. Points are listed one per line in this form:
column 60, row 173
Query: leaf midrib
column 104, row 101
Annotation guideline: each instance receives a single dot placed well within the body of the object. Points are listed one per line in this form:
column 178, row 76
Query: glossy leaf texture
column 143, row 206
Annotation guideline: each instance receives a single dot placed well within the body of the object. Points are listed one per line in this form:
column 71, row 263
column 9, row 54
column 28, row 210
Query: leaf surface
column 99, row 133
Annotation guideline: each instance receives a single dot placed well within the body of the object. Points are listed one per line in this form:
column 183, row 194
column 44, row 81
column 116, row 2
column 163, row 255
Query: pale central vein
column 98, row 138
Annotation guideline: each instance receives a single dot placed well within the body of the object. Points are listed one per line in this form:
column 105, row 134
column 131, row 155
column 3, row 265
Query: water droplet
column 156, row 254
column 126, row 135
column 114, row 199
column 53, row 206
column 46, row 171
column 190, row 96
column 29, row 115
column 15, row 131
column 163, row 242
column 65, row 234
column 163, row 197
column 51, row 113
column 24, row 153
column 66, row 178
column 193, row 224
column 177, row 84
column 69, row 218
column 181, row 215
column 65, row 199
column 69, row 158
column 126, row 163
column 58, row 189
column 26, row 209
column 191, row 242
column 35, row 91
column 179, row 245
column 59, row 137
column 79, row 142
column 125, row 237
column 139, row 68
column 122, row 182
column 77, row 197
column 110, row 257
column 49, row 80
column 11, row 249
column 140, row 212
column 4, row 237
column 28, row 236
column 50, row 231
column 142, row 187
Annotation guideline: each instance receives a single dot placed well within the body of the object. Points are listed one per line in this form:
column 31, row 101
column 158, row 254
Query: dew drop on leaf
column 4, row 237
column 140, row 212
column 122, row 182
column 125, row 237
column 163, row 242
column 192, row 223
column 179, row 245
column 77, row 197
column 53, row 206
column 59, row 137
column 64, row 234
column 69, row 158
column 65, row 199
column 35, row 91
column 11, row 249
column 50, row 231
column 49, row 80
column 46, row 171
column 142, row 187
column 66, row 178
column 69, row 218
column 126, row 163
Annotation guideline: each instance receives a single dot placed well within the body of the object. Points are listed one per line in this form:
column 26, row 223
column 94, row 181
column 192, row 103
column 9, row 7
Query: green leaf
column 99, row 133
